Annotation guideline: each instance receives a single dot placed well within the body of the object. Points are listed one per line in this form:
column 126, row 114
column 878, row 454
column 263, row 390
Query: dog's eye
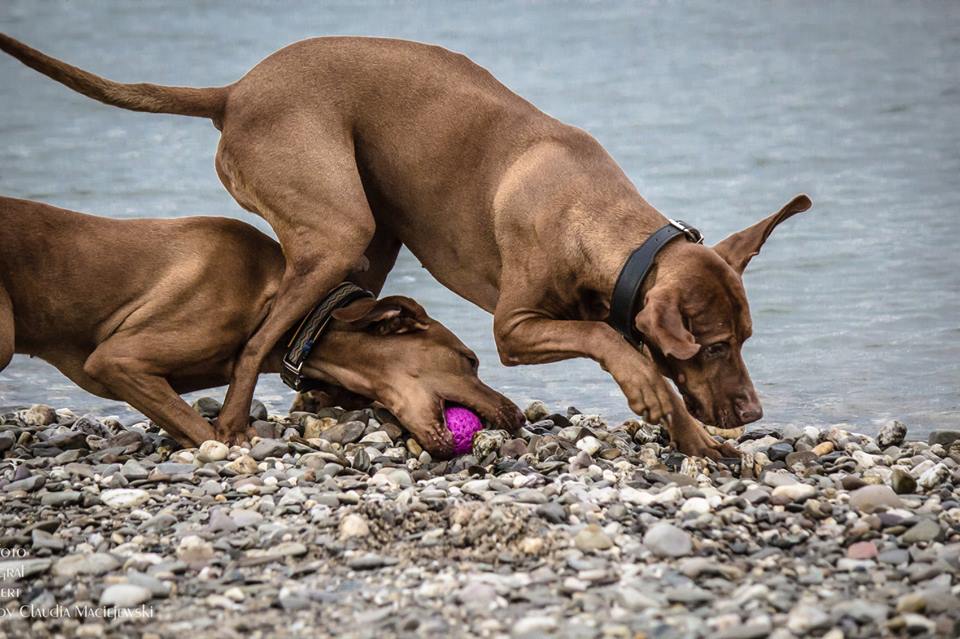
column 474, row 362
column 713, row 351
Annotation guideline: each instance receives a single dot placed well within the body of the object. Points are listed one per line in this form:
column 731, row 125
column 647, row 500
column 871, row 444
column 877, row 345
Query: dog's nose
column 748, row 410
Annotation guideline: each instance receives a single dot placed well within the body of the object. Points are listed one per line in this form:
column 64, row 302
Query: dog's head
column 391, row 351
column 696, row 318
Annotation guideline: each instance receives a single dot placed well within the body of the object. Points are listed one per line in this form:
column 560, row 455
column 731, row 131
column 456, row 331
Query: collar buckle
column 694, row 235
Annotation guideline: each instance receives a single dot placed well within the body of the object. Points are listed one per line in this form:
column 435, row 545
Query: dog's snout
column 748, row 409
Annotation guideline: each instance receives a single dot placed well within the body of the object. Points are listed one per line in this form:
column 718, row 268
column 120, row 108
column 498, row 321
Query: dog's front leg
column 528, row 336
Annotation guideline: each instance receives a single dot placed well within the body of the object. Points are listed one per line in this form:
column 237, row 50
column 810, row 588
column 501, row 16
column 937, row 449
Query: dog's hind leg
column 313, row 198
column 117, row 365
column 7, row 327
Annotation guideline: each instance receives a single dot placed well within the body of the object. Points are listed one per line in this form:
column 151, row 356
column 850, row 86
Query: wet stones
column 779, row 451
column 7, row 439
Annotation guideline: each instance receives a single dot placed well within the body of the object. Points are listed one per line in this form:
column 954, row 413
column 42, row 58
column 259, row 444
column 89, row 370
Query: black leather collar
column 625, row 302
column 311, row 328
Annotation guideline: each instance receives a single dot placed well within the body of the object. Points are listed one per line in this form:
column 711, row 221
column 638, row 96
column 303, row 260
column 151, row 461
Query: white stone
column 182, row 457
column 353, row 526
column 242, row 465
column 124, row 497
column 632, row 495
column 376, row 437
column 589, row 445
column 864, row 460
column 933, row 477
column 794, row 492
column 696, row 505
column 234, row 594
column 534, row 625
column 38, row 415
column 212, row 451
column 124, row 595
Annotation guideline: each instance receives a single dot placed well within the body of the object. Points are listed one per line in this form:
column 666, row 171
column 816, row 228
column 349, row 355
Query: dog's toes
column 729, row 450
column 712, row 453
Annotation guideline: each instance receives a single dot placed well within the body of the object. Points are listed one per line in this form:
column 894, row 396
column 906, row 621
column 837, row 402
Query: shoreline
column 337, row 523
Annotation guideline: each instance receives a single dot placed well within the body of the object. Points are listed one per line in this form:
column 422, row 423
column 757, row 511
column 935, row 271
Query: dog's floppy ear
column 388, row 316
column 660, row 321
column 737, row 249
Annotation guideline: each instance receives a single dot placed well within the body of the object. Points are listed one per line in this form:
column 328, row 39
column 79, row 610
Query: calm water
column 719, row 113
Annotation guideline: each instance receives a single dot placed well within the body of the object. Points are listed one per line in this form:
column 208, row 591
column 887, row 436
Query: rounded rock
column 353, row 526
column 242, row 465
column 892, row 434
column 124, row 497
column 870, row 498
column 793, row 493
column 666, row 540
column 592, row 538
column 212, row 451
column 124, row 596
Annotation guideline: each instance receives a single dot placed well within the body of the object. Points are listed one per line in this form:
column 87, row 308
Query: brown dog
column 369, row 143
column 141, row 310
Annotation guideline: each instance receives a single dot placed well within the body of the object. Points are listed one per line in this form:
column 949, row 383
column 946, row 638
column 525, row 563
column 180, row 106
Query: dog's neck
column 598, row 216
column 605, row 247
column 317, row 365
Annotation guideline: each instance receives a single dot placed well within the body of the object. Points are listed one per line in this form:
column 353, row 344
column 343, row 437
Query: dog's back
column 73, row 278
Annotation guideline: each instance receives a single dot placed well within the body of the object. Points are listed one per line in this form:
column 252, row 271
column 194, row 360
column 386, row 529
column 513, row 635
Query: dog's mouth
column 443, row 404
column 723, row 422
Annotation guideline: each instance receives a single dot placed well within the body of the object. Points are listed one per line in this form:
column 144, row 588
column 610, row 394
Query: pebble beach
column 337, row 524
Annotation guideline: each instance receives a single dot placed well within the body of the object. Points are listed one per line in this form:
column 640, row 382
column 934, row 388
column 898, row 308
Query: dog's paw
column 694, row 440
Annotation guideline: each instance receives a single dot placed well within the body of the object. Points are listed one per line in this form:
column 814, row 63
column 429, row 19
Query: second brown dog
column 141, row 310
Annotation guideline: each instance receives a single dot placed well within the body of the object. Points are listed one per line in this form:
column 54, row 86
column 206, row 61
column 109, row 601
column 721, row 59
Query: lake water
column 719, row 112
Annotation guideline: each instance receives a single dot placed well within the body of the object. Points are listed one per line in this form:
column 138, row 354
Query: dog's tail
column 154, row 98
